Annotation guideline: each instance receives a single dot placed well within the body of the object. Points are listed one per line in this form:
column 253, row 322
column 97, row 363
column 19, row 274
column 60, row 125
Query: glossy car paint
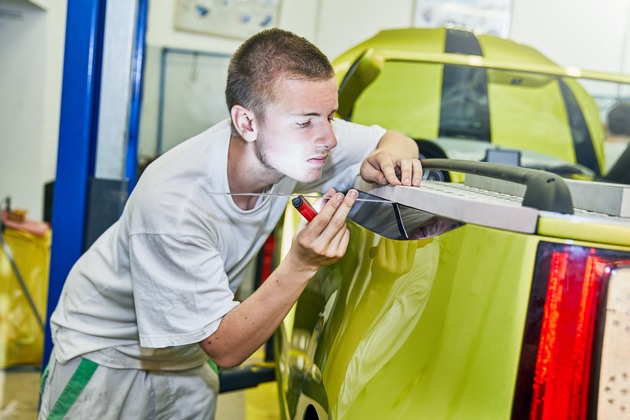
column 428, row 328
column 604, row 232
column 394, row 330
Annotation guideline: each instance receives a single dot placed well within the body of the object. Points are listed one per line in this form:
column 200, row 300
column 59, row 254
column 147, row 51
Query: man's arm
column 395, row 161
column 248, row 326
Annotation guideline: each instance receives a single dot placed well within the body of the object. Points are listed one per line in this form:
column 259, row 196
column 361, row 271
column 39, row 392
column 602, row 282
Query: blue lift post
column 85, row 25
column 137, row 78
column 77, row 143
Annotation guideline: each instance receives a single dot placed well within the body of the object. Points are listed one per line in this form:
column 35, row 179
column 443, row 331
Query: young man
column 152, row 299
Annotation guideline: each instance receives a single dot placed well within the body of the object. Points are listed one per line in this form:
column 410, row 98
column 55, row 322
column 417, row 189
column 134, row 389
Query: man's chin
column 311, row 176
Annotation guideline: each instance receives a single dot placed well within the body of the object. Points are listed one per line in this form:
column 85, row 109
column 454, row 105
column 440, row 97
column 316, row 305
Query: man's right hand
column 325, row 239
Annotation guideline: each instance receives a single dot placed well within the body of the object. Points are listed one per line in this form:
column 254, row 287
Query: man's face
column 296, row 135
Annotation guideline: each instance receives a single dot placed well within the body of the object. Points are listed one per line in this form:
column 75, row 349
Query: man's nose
column 328, row 138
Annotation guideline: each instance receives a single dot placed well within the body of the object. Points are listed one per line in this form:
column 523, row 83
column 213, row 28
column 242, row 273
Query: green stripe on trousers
column 213, row 365
column 73, row 389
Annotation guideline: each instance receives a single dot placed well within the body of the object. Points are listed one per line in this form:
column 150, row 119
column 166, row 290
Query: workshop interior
column 499, row 288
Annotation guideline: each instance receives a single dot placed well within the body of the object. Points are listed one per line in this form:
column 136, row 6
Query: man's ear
column 245, row 122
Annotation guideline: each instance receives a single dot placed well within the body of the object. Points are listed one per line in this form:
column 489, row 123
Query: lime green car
column 503, row 296
column 468, row 301
column 460, row 93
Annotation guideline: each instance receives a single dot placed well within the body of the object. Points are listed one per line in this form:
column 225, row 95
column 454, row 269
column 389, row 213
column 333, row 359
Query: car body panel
column 403, row 329
column 372, row 325
column 583, row 228
column 423, row 328
column 428, row 315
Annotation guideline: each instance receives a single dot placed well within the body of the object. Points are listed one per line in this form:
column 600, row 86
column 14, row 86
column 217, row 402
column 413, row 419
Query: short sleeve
column 180, row 289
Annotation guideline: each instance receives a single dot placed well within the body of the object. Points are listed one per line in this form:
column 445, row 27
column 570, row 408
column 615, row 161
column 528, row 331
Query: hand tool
column 304, row 207
column 299, row 201
column 315, row 197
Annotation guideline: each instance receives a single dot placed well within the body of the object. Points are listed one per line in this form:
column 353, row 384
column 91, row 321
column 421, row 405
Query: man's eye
column 331, row 119
column 303, row 124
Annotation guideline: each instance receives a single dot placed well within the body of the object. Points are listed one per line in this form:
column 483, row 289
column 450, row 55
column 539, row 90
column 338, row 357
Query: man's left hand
column 383, row 168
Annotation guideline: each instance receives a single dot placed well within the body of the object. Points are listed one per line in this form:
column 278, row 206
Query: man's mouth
column 317, row 160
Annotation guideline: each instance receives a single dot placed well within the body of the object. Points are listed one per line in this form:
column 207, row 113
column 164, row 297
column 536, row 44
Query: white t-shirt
column 163, row 276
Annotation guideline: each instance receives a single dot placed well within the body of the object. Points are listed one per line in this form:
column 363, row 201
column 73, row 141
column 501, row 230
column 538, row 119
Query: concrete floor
column 19, row 398
column 19, row 393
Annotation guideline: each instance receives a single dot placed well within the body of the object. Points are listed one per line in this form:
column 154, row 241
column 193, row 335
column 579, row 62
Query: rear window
column 509, row 108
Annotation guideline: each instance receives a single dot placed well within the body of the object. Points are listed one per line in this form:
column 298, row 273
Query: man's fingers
column 339, row 208
column 339, row 243
column 325, row 239
column 319, row 204
column 417, row 172
column 335, row 237
column 371, row 171
column 384, row 169
column 410, row 172
column 389, row 171
column 406, row 172
column 332, row 218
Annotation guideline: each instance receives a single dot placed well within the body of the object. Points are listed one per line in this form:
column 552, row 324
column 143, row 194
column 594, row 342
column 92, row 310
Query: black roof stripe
column 582, row 140
column 462, row 42
column 464, row 105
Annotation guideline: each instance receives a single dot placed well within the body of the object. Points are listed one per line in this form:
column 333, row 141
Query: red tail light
column 265, row 261
column 555, row 378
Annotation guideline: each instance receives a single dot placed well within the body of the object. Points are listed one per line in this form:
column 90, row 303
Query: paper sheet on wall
column 229, row 18
column 486, row 16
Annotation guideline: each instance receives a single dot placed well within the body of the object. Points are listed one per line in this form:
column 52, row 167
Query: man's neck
column 246, row 174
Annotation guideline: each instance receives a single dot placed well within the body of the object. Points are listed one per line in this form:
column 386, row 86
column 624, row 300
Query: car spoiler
column 543, row 190
column 526, row 194
column 368, row 66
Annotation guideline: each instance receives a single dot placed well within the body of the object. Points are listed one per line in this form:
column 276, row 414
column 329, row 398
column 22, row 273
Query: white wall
column 344, row 24
column 593, row 34
column 31, row 57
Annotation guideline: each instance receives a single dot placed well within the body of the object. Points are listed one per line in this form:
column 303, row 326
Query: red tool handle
column 304, row 207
